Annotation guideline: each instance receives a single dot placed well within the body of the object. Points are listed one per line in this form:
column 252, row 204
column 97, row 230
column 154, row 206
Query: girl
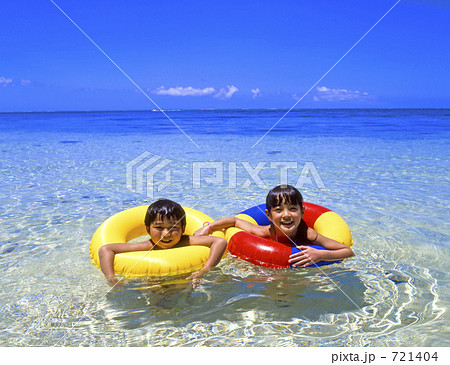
column 284, row 208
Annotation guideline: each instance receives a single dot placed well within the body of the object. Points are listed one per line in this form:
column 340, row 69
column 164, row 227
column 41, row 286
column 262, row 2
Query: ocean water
column 386, row 172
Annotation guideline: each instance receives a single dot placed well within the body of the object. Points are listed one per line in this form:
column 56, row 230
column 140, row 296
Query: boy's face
column 165, row 232
column 286, row 219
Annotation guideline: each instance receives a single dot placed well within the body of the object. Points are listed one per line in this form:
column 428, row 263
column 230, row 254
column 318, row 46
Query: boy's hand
column 195, row 277
column 197, row 274
column 307, row 256
column 112, row 280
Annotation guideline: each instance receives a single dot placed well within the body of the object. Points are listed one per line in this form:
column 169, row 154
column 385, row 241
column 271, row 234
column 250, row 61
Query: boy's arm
column 217, row 247
column 309, row 255
column 107, row 252
column 228, row 222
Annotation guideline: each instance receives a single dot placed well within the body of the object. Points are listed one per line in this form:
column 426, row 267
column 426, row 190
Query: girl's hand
column 307, row 256
column 204, row 231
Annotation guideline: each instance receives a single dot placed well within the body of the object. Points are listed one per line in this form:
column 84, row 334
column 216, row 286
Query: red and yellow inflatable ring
column 264, row 252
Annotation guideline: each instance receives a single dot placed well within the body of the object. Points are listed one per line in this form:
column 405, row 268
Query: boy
column 165, row 222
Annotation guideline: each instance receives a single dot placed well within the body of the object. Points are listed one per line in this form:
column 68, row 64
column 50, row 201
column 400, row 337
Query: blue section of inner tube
column 258, row 213
column 294, row 249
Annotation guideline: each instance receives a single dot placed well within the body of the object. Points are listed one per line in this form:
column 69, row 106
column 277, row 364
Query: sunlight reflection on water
column 394, row 292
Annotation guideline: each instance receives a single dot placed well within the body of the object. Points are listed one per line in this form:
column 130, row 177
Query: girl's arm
column 309, row 255
column 107, row 252
column 217, row 247
column 228, row 222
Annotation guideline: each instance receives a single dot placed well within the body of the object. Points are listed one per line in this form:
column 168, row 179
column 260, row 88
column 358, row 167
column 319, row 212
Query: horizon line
column 217, row 109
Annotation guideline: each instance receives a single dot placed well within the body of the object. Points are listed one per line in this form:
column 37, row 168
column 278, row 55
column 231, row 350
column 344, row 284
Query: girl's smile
column 286, row 218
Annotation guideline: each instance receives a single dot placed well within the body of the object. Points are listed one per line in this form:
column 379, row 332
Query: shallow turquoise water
column 384, row 172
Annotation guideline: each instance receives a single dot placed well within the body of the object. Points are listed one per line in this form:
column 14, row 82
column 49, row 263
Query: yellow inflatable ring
column 129, row 224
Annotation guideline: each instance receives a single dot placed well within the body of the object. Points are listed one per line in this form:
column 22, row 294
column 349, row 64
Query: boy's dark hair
column 283, row 193
column 165, row 208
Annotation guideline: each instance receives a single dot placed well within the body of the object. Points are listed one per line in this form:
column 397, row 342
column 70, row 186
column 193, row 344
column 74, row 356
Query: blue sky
column 223, row 54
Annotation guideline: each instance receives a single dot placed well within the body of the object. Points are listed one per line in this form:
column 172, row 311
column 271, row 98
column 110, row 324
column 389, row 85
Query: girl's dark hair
column 290, row 195
column 283, row 194
column 165, row 208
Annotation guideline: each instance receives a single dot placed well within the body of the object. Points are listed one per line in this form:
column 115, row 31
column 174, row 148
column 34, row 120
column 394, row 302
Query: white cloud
column 327, row 94
column 9, row 81
column 184, row 91
column 226, row 94
column 5, row 81
column 222, row 93
column 256, row 92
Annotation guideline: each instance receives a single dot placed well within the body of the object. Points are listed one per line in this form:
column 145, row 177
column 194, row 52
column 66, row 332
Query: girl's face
column 165, row 232
column 286, row 218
